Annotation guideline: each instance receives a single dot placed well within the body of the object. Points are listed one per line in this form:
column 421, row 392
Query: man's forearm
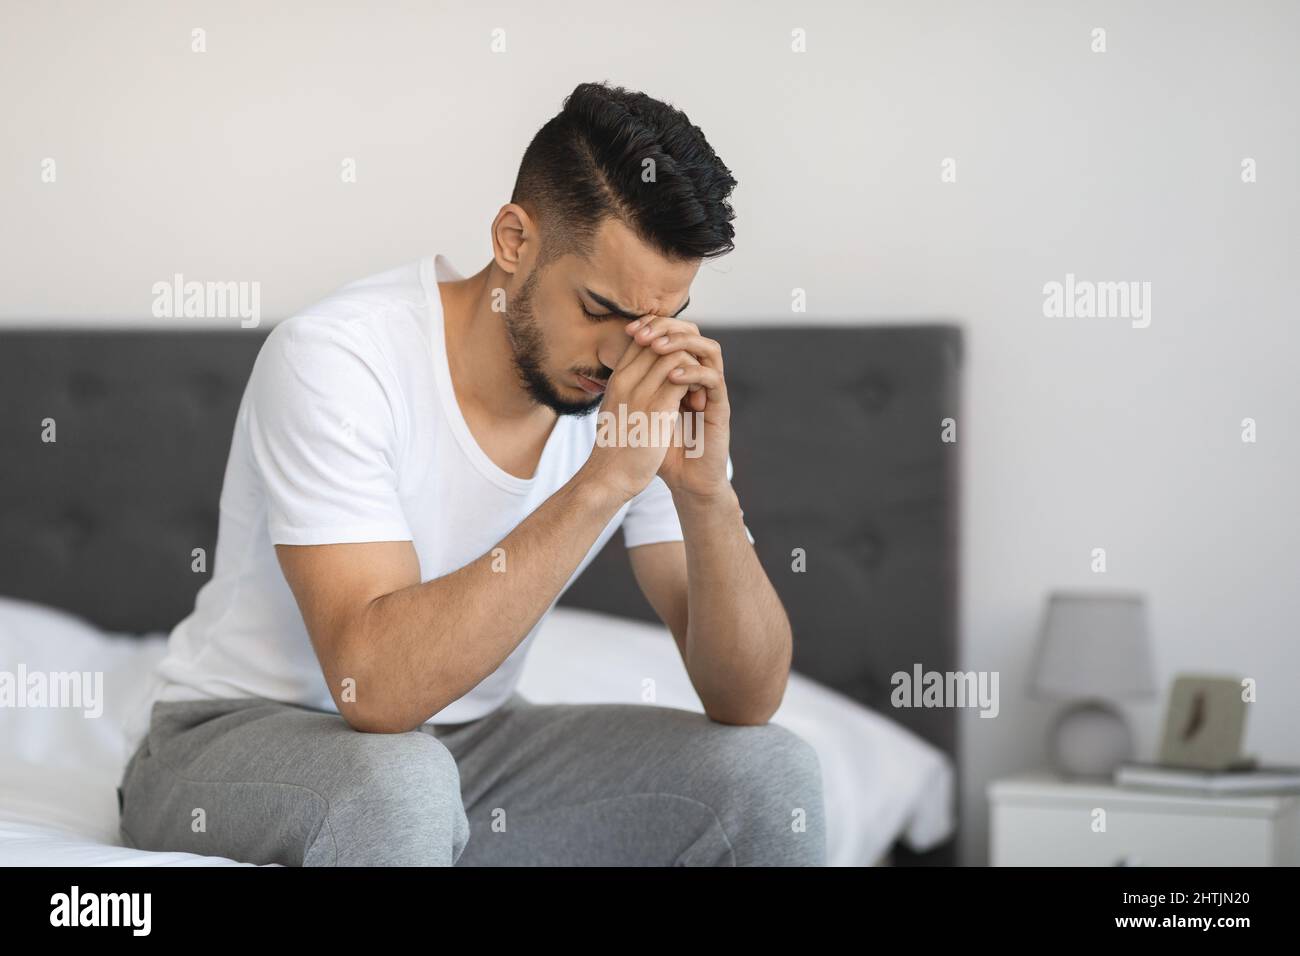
column 738, row 643
column 420, row 648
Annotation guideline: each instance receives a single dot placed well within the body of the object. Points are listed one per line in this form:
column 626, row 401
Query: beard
column 528, row 353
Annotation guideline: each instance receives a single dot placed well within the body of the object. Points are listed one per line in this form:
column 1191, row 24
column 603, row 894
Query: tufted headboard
column 836, row 446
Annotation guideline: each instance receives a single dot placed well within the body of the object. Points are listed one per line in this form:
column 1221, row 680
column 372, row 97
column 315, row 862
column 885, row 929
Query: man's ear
column 514, row 237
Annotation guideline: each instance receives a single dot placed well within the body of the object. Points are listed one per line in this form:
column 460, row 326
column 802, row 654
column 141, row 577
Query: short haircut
column 586, row 164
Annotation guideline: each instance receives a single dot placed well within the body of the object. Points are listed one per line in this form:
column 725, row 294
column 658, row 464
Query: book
column 1247, row 778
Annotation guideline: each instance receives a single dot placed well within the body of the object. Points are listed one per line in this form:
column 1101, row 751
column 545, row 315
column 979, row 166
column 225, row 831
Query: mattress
column 59, row 767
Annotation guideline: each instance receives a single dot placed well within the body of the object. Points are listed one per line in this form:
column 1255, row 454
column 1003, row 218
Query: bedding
column 59, row 767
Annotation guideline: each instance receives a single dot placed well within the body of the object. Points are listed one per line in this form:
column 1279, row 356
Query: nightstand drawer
column 1063, row 836
column 1040, row 820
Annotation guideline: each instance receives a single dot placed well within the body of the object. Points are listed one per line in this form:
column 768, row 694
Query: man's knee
column 766, row 786
column 396, row 802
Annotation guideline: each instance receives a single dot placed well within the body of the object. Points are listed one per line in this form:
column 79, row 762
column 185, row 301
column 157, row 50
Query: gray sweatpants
column 529, row 784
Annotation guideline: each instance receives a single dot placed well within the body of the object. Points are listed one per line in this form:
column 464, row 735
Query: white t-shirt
column 349, row 431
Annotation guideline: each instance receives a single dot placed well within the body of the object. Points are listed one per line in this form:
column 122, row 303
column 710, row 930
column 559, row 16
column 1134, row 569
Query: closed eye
column 615, row 312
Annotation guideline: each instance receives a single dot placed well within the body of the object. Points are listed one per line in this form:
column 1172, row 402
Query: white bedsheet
column 59, row 769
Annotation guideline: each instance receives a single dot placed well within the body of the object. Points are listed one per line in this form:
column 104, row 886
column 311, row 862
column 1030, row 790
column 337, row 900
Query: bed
column 100, row 526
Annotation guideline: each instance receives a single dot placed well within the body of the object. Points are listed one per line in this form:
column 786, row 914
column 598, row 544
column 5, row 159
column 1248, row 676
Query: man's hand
column 641, row 385
column 701, row 469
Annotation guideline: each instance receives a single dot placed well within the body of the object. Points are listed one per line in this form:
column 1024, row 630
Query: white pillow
column 43, row 641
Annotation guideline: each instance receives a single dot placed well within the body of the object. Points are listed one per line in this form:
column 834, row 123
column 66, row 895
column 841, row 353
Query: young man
column 414, row 480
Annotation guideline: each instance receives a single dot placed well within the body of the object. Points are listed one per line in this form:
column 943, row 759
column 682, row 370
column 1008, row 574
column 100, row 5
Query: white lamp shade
column 1094, row 645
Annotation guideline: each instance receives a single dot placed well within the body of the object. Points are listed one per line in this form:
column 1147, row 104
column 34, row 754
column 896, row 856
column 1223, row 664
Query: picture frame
column 1204, row 723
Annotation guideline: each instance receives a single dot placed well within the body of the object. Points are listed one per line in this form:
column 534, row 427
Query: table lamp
column 1093, row 649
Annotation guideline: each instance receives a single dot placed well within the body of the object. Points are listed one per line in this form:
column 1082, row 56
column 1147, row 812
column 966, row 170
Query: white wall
column 1116, row 166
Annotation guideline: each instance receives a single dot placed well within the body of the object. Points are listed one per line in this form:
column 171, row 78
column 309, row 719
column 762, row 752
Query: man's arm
column 710, row 590
column 730, row 626
column 412, row 648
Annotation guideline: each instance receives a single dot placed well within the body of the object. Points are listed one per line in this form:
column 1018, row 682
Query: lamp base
column 1089, row 740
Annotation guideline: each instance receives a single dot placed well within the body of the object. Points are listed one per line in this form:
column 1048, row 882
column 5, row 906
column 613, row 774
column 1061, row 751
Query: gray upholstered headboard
column 836, row 445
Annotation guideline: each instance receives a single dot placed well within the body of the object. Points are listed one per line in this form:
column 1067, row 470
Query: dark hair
column 586, row 165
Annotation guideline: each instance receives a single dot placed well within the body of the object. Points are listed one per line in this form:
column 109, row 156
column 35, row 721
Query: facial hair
column 528, row 353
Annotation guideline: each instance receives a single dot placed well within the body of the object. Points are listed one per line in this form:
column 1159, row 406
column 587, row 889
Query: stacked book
column 1244, row 780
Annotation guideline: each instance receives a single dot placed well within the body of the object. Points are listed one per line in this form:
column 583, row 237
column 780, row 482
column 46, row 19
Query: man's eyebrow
column 627, row 313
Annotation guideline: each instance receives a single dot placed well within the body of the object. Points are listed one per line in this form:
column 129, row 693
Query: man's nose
column 614, row 341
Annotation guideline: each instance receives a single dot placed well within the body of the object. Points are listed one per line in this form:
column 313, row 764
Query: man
column 414, row 480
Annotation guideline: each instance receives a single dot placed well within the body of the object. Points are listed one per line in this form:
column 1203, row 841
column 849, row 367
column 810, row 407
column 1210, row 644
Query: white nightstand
column 1040, row 820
